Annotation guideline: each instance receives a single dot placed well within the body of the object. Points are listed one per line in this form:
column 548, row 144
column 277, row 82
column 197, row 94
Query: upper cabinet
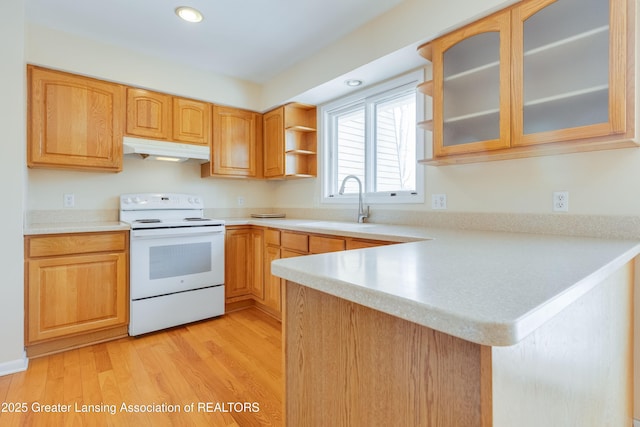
column 160, row 116
column 235, row 150
column 74, row 121
column 471, row 87
column 290, row 142
column 191, row 121
column 541, row 77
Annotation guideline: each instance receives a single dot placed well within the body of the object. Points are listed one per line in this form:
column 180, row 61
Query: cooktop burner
column 197, row 219
column 148, row 220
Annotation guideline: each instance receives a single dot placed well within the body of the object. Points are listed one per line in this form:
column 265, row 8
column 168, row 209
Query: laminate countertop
column 490, row 288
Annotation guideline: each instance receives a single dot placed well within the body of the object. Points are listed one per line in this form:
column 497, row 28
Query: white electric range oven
column 176, row 259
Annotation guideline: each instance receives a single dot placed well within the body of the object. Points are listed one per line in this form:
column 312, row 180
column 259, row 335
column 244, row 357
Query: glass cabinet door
column 471, row 69
column 564, row 57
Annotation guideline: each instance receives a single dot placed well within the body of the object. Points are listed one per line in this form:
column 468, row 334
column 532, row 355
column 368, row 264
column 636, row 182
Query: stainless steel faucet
column 362, row 215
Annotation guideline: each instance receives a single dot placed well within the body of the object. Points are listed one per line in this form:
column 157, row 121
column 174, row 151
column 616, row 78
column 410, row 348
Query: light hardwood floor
column 229, row 368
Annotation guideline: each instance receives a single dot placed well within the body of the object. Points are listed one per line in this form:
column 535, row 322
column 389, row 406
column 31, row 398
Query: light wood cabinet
column 75, row 122
column 290, row 142
column 243, row 264
column 149, row 114
column 250, row 250
column 540, row 77
column 191, row 121
column 323, row 244
column 76, row 290
column 236, row 147
column 161, row 116
column 272, row 284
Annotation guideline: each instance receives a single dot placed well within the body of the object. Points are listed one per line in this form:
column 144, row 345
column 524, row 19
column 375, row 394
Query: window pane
column 351, row 148
column 396, row 144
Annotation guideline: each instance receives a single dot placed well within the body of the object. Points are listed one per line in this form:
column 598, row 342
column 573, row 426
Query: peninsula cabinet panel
column 191, row 121
column 75, row 122
column 236, row 148
column 149, row 114
column 76, row 290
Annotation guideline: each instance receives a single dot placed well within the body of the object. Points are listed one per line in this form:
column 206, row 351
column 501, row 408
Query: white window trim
column 399, row 197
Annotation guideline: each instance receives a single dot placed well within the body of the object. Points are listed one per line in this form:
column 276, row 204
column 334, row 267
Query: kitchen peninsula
column 467, row 328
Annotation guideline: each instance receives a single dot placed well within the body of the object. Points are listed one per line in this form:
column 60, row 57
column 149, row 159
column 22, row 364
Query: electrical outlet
column 438, row 201
column 68, row 200
column 561, row 201
column 240, row 201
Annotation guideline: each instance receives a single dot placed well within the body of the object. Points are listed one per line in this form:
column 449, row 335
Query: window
column 372, row 135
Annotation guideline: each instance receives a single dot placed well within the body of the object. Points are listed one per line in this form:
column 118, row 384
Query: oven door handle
column 176, row 232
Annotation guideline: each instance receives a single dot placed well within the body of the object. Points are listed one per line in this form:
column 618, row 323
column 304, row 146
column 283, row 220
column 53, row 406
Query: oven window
column 179, row 260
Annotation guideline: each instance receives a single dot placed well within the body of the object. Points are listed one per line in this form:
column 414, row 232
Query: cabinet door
column 238, row 263
column 75, row 294
column 74, row 121
column 148, row 114
column 272, row 284
column 235, row 142
column 273, row 140
column 471, row 75
column 257, row 269
column 191, row 121
column 569, row 70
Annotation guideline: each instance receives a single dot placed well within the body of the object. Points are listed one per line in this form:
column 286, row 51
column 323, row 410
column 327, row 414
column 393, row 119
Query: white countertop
column 490, row 288
column 74, row 227
column 486, row 287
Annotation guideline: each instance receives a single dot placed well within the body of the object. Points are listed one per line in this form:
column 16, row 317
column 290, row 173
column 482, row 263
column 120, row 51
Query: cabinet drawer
column 295, row 241
column 80, row 243
column 362, row 243
column 321, row 244
column 272, row 237
column 290, row 254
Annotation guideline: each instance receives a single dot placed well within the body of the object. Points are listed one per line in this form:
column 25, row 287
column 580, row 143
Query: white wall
column 599, row 183
column 98, row 190
column 63, row 51
column 12, row 174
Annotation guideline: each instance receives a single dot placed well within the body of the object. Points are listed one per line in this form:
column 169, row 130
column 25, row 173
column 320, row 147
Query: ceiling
column 248, row 39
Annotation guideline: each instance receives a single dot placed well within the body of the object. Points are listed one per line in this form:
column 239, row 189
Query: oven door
column 166, row 261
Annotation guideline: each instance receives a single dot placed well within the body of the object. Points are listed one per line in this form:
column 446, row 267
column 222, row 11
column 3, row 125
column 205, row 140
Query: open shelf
column 426, row 51
column 300, row 152
column 426, row 88
column 300, row 128
column 426, row 125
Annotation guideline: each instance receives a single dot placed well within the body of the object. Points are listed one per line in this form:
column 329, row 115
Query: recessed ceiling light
column 353, row 82
column 189, row 14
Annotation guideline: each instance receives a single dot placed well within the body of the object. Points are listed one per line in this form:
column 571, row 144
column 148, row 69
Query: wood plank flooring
column 221, row 372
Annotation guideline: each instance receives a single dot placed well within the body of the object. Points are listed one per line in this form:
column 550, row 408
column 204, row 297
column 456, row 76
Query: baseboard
column 13, row 366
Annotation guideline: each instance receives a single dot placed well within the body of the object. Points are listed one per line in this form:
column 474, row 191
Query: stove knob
column 127, row 201
column 137, row 200
column 196, row 200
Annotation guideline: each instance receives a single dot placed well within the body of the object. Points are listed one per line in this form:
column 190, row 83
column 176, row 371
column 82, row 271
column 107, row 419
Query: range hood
column 164, row 150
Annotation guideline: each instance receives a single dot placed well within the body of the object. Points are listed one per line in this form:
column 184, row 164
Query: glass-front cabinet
column 471, row 88
column 568, row 70
column 540, row 77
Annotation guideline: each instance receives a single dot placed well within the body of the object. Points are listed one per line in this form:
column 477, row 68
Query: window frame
column 369, row 97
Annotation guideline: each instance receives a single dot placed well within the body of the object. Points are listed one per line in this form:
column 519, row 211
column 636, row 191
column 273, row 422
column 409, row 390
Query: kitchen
column 517, row 192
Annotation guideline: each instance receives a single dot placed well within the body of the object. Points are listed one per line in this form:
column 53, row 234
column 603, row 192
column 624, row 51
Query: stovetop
column 164, row 210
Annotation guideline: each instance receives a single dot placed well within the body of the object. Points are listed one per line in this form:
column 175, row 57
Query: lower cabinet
column 243, row 266
column 250, row 250
column 76, row 290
